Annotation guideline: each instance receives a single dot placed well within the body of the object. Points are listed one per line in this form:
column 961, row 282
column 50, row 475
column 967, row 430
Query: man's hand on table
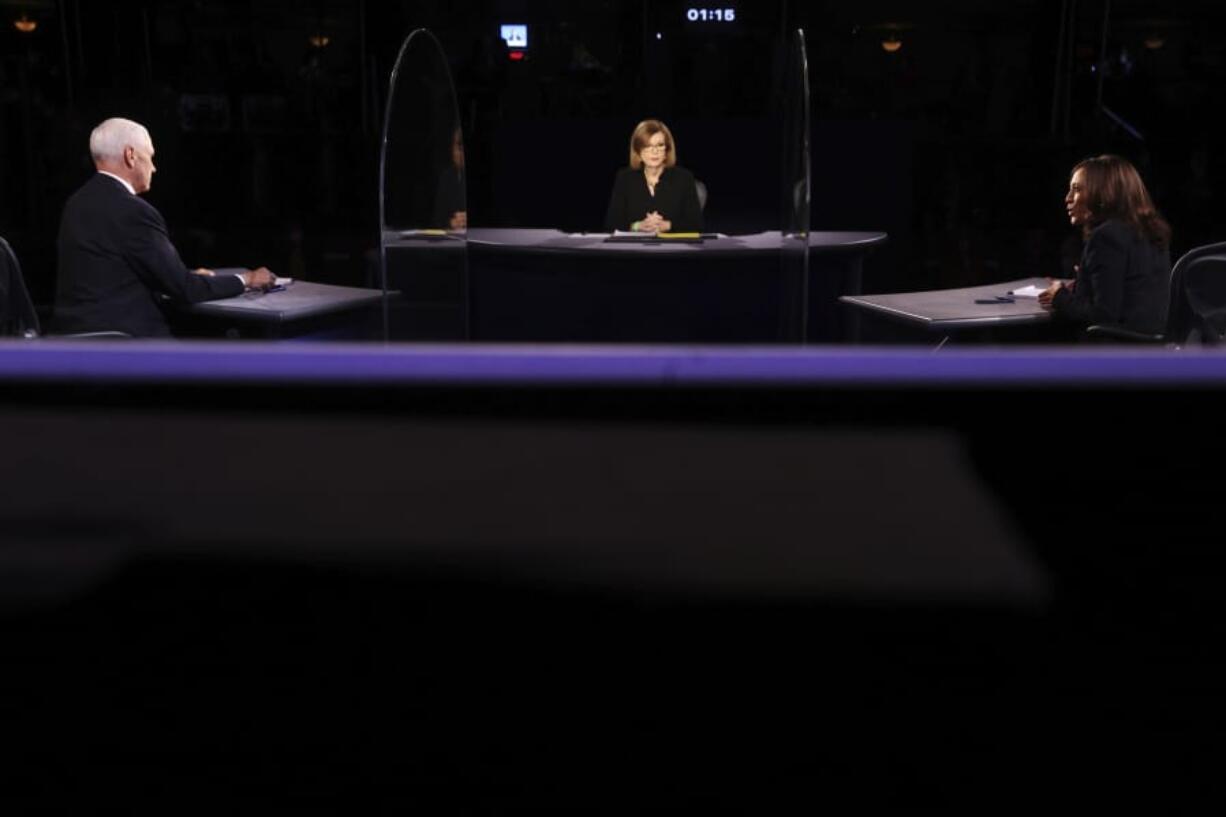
column 261, row 279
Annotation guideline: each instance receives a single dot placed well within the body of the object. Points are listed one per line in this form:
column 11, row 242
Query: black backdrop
column 958, row 144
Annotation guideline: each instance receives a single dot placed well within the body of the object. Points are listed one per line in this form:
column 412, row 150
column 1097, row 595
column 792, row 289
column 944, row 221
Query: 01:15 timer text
column 712, row 15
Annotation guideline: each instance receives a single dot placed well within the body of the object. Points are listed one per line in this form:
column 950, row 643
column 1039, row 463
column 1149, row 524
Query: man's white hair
column 108, row 140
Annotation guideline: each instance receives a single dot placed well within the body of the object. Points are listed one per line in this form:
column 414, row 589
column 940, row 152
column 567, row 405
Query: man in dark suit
column 117, row 267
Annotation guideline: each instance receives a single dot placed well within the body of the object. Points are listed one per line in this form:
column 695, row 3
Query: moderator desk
column 533, row 285
column 302, row 309
column 765, row 243
column 955, row 310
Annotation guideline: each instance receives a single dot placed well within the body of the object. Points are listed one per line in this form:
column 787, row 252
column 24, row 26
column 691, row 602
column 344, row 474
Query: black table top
column 956, row 308
column 302, row 299
column 554, row 241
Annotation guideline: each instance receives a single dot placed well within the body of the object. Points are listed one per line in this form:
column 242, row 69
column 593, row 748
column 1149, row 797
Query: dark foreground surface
column 740, row 596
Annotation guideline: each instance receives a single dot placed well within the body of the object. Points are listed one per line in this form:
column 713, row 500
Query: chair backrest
column 1197, row 312
column 702, row 195
column 17, row 315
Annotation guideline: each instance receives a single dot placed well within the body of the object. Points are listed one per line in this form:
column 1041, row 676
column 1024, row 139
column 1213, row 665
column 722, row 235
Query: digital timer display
column 702, row 14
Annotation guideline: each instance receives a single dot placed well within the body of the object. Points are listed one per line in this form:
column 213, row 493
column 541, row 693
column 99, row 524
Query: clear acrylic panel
column 422, row 198
column 794, row 196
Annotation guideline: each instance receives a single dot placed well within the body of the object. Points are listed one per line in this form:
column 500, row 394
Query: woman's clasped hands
column 654, row 223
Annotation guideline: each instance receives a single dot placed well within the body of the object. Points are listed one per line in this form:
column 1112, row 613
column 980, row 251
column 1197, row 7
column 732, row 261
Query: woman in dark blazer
column 653, row 194
column 1124, row 276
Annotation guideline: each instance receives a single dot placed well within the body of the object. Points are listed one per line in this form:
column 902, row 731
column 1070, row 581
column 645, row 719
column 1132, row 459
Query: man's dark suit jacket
column 116, row 262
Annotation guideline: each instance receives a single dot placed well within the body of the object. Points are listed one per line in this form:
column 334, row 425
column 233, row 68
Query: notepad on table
column 646, row 236
column 1029, row 291
column 429, row 235
column 621, row 236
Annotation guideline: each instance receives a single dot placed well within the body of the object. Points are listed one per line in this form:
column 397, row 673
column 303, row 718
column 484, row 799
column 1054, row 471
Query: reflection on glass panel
column 795, row 192
column 422, row 200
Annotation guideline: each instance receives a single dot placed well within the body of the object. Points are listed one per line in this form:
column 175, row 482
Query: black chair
column 17, row 315
column 1203, row 308
column 702, row 195
column 1197, row 309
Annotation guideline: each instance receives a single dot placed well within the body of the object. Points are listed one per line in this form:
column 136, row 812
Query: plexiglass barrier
column 794, row 196
column 422, row 198
column 541, row 273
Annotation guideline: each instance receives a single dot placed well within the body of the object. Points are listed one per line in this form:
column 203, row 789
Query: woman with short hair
column 654, row 194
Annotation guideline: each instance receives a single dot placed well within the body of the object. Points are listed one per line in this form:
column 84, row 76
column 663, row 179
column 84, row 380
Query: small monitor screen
column 516, row 36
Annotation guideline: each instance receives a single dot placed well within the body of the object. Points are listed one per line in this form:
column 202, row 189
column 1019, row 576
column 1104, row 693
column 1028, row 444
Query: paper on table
column 279, row 282
column 1030, row 291
column 651, row 235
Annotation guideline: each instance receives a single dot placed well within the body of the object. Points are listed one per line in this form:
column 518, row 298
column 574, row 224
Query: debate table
column 957, row 310
column 538, row 284
column 302, row 309
column 712, row 244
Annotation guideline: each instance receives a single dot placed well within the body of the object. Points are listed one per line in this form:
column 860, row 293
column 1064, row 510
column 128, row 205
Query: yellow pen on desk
column 678, row 235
